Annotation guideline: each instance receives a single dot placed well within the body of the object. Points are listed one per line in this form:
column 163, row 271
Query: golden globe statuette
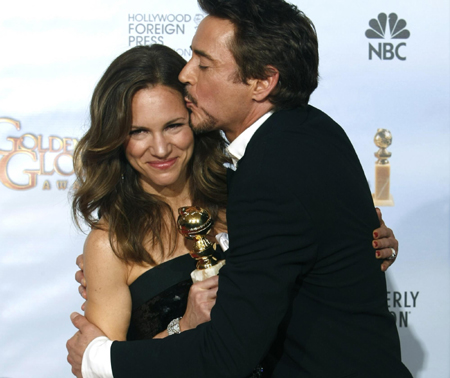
column 194, row 223
column 382, row 195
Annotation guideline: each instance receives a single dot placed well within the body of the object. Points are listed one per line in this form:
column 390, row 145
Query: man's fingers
column 201, row 295
column 79, row 262
column 78, row 320
column 79, row 277
column 70, row 345
column 71, row 362
column 207, row 284
column 211, row 282
column 82, row 291
column 208, row 295
column 74, row 317
column 79, row 342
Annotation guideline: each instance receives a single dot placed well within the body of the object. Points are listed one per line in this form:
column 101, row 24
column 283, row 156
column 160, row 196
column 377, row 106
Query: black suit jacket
column 301, row 286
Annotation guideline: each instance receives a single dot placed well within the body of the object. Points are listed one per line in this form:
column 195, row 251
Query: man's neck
column 252, row 116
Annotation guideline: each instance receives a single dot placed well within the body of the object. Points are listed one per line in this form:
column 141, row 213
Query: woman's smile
column 163, row 164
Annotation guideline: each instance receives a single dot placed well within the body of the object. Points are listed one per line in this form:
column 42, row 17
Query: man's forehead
column 212, row 34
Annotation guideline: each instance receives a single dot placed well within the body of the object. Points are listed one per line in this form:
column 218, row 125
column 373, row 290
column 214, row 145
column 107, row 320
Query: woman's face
column 161, row 142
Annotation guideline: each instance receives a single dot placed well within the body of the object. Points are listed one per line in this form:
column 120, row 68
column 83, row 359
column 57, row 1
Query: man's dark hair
column 272, row 33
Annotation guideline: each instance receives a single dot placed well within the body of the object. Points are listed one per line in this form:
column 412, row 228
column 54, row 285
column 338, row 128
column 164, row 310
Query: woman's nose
column 161, row 147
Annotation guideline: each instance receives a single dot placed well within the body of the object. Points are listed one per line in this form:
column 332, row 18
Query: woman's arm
column 108, row 299
column 108, row 303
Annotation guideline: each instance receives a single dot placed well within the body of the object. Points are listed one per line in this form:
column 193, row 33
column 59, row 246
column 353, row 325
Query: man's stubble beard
column 206, row 125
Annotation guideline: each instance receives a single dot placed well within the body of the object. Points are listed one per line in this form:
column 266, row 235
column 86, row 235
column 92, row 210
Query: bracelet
column 174, row 326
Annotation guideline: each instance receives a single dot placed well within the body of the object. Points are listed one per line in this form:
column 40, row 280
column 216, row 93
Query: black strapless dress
column 160, row 295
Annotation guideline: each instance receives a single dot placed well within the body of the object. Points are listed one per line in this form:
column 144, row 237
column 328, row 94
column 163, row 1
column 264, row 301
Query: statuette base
column 198, row 275
column 384, row 202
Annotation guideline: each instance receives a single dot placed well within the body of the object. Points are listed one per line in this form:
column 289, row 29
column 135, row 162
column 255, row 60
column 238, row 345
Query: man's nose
column 186, row 75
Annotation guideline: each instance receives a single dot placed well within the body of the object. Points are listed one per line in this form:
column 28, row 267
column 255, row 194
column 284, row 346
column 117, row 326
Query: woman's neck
column 176, row 195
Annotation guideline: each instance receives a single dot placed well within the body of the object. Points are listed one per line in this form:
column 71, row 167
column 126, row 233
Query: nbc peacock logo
column 378, row 30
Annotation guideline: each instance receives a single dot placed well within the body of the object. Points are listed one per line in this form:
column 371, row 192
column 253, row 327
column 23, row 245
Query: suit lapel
column 230, row 175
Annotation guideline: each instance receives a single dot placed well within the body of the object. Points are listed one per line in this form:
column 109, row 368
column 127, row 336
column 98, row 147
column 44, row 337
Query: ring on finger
column 394, row 254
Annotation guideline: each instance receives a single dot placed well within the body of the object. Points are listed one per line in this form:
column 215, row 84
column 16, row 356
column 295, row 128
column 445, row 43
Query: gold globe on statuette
column 382, row 195
column 194, row 223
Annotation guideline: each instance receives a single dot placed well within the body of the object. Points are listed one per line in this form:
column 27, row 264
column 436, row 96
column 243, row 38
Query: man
column 300, row 288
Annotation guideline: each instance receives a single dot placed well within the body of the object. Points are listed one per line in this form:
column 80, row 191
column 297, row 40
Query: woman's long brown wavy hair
column 107, row 185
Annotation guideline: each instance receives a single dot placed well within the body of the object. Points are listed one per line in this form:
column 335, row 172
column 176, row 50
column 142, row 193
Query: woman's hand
column 385, row 243
column 202, row 298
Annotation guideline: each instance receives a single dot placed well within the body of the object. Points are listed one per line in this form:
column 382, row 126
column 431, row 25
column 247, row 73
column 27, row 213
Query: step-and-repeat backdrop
column 384, row 64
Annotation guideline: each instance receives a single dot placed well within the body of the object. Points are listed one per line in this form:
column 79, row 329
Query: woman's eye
column 136, row 132
column 174, row 126
column 202, row 67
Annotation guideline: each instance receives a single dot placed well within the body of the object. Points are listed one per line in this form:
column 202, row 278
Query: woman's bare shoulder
column 98, row 239
column 98, row 251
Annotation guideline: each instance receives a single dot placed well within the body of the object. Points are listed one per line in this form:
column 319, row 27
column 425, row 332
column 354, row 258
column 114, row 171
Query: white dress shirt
column 97, row 356
column 237, row 148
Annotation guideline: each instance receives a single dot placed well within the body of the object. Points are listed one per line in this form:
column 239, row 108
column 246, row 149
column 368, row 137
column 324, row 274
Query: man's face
column 215, row 96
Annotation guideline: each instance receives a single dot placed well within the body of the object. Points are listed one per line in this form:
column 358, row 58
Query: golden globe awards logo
column 31, row 156
column 378, row 30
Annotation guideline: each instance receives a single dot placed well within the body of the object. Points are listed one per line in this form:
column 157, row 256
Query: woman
column 136, row 166
column 138, row 163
